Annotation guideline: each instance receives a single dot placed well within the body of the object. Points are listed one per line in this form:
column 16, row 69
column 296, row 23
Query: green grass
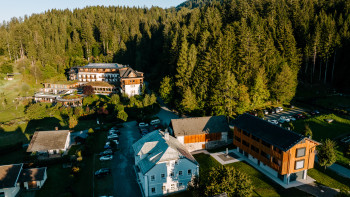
column 323, row 130
column 263, row 186
column 329, row 178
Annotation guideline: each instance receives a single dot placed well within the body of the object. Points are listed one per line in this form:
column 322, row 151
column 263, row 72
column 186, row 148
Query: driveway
column 165, row 115
column 124, row 178
column 291, row 112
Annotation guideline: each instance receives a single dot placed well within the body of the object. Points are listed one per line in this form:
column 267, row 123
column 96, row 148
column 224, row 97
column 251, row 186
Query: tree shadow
column 44, row 124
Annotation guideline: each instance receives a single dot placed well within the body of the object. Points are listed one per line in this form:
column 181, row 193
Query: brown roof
column 99, row 84
column 9, row 175
column 199, row 125
column 32, row 174
column 48, row 140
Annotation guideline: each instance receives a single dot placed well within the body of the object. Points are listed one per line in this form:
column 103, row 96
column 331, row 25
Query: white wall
column 98, row 76
column 132, row 90
column 166, row 168
column 11, row 192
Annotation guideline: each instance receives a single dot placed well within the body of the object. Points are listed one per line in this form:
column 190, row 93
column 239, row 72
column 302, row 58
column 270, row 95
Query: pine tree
column 259, row 92
column 188, row 103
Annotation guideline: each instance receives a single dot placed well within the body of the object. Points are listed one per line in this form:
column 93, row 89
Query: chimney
column 56, row 128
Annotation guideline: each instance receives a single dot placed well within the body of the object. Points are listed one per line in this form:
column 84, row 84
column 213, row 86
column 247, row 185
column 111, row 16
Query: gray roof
column 48, row 140
column 104, row 65
column 158, row 149
column 124, row 73
column 277, row 136
column 199, row 125
column 32, row 174
column 9, row 175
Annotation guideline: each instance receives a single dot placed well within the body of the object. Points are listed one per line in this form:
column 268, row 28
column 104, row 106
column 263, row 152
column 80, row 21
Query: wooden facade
column 282, row 162
column 132, row 81
column 202, row 138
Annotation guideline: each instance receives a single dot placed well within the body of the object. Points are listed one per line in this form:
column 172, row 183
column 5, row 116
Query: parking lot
column 290, row 112
column 122, row 181
column 124, row 178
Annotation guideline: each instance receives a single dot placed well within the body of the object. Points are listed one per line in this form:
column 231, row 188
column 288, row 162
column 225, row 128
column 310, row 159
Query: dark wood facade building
column 281, row 152
column 201, row 132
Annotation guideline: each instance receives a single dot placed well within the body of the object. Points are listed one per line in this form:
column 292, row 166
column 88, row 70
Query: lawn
column 263, row 186
column 322, row 130
column 329, row 178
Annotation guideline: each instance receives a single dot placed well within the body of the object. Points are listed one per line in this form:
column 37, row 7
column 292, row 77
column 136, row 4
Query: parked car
column 103, row 172
column 290, row 106
column 142, row 124
column 291, row 118
column 154, row 122
column 314, row 112
column 106, row 158
column 266, row 112
column 107, row 147
column 273, row 121
column 111, row 132
column 106, row 152
column 283, row 119
column 116, row 142
column 144, row 131
column 278, row 109
column 113, row 136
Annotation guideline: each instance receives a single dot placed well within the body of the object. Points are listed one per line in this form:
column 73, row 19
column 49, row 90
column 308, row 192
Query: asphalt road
column 165, row 115
column 291, row 112
column 124, row 177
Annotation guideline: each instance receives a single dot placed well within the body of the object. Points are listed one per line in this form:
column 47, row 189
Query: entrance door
column 203, row 146
column 296, row 176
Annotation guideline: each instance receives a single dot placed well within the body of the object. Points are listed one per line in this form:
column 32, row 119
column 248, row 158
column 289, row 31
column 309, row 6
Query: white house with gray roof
column 163, row 165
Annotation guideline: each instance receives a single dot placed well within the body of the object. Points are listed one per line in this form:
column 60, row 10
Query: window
column 189, row 172
column 180, row 173
column 153, row 178
column 172, row 186
column 237, row 139
column 265, row 144
column 180, row 184
column 162, row 176
column 153, row 190
column 255, row 149
column 267, row 156
column 245, row 143
column 277, row 150
column 246, row 133
column 172, row 174
column 164, row 188
column 2, row 194
column 299, row 164
column 276, row 161
column 300, row 152
column 255, row 138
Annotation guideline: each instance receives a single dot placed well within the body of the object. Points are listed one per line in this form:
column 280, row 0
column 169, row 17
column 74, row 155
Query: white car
column 284, row 119
column 154, row 122
column 106, row 158
column 272, row 121
column 279, row 109
column 142, row 124
column 113, row 136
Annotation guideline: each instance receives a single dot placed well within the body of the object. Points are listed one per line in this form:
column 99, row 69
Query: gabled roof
column 103, row 65
column 129, row 73
column 9, row 175
column 32, row 174
column 156, row 148
column 277, row 136
column 48, row 140
column 199, row 125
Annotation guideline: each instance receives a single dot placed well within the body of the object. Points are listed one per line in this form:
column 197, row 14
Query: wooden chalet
column 201, row 132
column 283, row 153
